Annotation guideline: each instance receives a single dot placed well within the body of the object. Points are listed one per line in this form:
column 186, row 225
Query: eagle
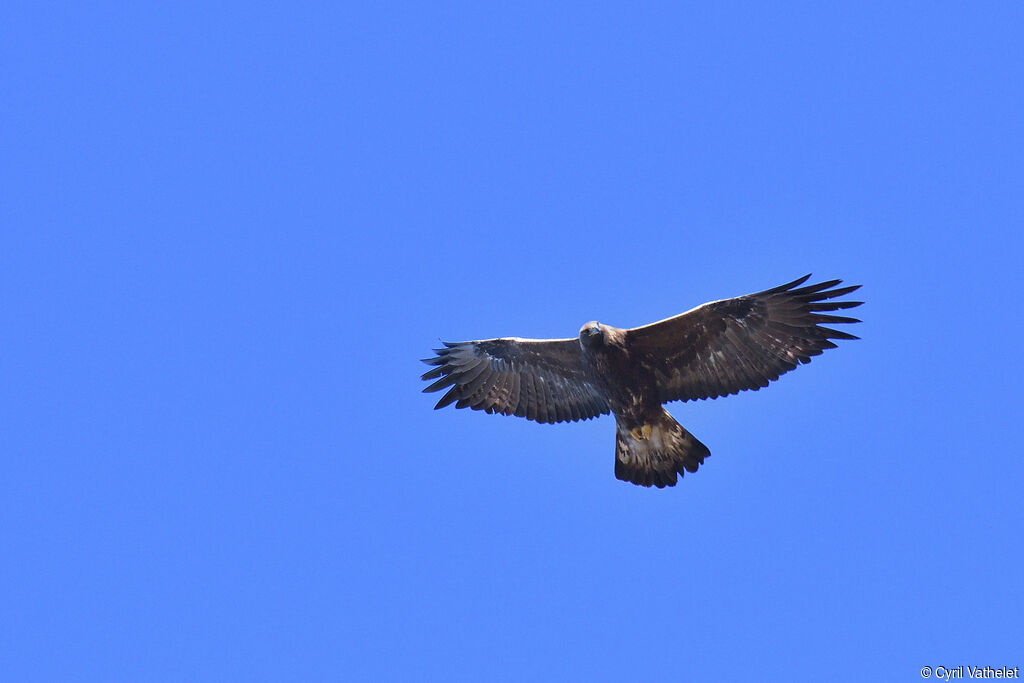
column 716, row 349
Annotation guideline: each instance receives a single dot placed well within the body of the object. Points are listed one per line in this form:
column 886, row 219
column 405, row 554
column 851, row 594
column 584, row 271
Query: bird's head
column 591, row 333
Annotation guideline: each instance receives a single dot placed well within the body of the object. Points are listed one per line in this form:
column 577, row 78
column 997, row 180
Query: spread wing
column 540, row 379
column 727, row 346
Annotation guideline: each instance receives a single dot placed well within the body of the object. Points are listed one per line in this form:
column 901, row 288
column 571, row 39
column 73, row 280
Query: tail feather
column 653, row 455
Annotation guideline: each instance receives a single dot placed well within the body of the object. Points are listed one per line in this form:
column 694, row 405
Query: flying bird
column 716, row 349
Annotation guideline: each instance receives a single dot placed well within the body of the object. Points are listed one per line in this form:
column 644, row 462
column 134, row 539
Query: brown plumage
column 716, row 349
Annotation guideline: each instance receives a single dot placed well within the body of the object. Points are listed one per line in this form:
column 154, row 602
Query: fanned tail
column 654, row 454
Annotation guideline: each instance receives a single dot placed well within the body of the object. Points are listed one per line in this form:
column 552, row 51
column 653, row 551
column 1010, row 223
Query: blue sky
column 229, row 232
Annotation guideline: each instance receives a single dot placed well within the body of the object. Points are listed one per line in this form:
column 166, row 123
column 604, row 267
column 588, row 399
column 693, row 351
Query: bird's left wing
column 544, row 380
column 745, row 342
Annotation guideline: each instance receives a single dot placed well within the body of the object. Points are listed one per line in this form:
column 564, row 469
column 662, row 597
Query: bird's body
column 606, row 352
column 650, row 446
column 713, row 350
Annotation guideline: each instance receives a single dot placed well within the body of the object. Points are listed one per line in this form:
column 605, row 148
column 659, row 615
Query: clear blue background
column 230, row 230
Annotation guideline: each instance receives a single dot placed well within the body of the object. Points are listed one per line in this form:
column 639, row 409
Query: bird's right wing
column 545, row 380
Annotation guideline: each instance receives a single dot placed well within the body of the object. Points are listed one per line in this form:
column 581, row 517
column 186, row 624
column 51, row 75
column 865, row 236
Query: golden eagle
column 717, row 349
